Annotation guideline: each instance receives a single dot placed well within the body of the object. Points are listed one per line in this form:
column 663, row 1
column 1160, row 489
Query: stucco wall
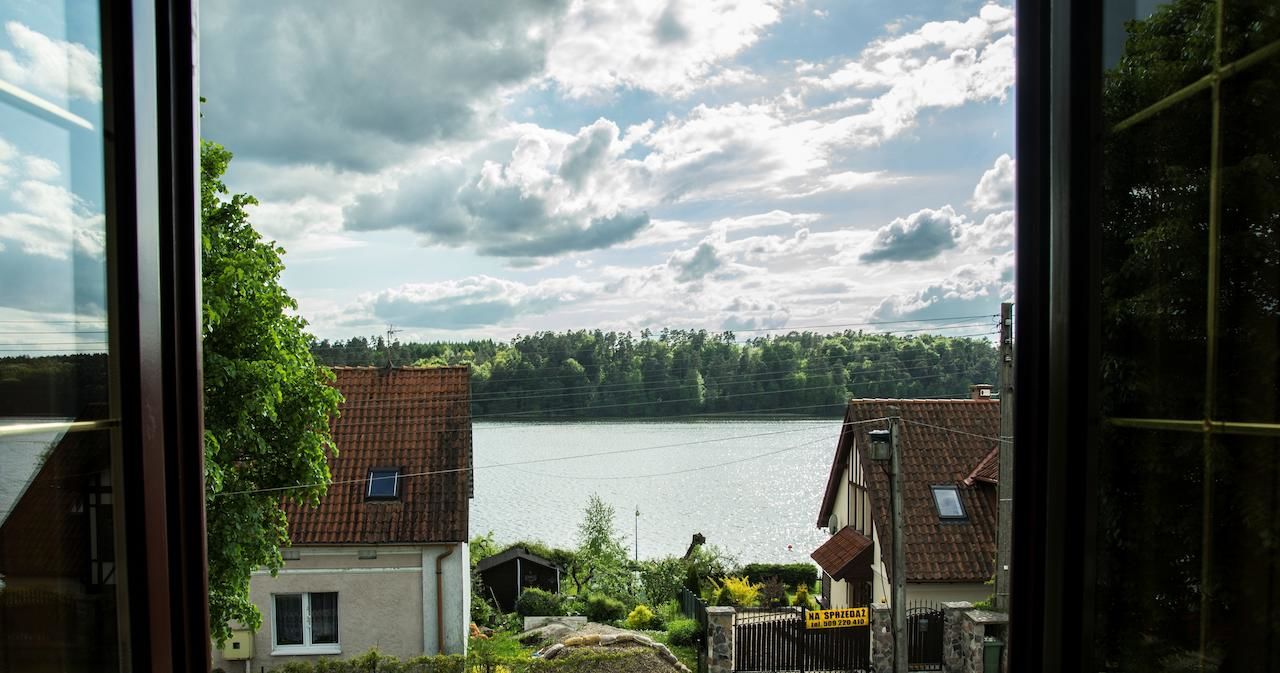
column 380, row 601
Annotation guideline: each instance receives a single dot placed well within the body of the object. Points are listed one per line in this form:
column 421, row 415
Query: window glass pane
column 1160, row 46
column 383, row 483
column 57, row 536
column 324, row 618
column 1154, row 266
column 1250, row 26
column 289, row 619
column 1249, row 292
column 1149, row 549
column 947, row 501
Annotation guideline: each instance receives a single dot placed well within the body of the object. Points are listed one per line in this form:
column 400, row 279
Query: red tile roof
column 988, row 470
column 847, row 555
column 415, row 418
column 942, row 441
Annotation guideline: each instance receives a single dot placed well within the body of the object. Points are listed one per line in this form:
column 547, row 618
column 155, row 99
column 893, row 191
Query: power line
column 552, row 459
column 958, row 432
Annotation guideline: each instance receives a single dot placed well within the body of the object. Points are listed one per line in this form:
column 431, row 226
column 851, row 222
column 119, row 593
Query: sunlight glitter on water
column 752, row 508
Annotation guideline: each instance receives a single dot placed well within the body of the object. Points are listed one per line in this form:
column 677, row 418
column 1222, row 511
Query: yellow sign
column 834, row 619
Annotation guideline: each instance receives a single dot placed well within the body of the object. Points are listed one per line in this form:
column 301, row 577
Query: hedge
column 792, row 574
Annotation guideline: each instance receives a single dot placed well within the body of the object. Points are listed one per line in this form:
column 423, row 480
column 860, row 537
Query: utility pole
column 1004, row 521
column 391, row 333
column 899, row 602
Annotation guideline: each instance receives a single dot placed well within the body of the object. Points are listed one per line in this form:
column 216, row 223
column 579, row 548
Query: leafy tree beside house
column 267, row 401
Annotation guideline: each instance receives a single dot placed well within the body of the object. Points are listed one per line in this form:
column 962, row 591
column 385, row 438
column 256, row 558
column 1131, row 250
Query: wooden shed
column 507, row 574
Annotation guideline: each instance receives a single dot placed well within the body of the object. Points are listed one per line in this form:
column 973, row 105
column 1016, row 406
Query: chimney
column 980, row 391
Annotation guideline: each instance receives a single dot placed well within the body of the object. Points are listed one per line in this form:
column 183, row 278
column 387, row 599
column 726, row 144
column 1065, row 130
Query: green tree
column 601, row 553
column 267, row 403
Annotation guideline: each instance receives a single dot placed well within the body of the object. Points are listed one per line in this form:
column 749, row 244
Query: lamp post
column 637, row 535
column 885, row 448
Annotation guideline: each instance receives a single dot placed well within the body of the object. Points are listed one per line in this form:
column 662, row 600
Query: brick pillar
column 881, row 638
column 954, row 642
column 719, row 639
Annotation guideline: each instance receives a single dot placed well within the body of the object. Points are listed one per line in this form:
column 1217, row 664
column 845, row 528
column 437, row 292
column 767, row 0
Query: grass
column 502, row 644
column 687, row 654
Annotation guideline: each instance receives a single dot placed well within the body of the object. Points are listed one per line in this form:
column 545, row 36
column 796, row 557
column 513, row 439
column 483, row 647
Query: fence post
column 881, row 638
column 956, row 632
column 719, row 639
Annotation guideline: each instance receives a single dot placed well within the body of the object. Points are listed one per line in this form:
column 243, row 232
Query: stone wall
column 719, row 639
column 964, row 636
column 881, row 638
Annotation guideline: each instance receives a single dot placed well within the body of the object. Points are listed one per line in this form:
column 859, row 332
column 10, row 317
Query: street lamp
column 881, row 445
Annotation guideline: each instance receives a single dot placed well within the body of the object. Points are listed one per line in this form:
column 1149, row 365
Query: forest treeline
column 591, row 373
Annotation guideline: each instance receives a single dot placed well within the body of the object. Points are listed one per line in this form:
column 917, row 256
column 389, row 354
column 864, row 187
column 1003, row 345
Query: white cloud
column 670, row 48
column 922, row 235
column 362, row 88
column 553, row 193
column 942, row 64
column 475, row 301
column 970, row 289
column 43, row 217
column 993, row 235
column 773, row 218
column 55, row 68
column 995, row 188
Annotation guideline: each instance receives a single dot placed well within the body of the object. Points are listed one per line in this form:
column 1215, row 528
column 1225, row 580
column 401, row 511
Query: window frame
column 937, row 505
column 307, row 646
column 398, row 476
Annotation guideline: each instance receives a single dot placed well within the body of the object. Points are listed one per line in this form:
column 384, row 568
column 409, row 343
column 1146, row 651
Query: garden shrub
column 662, row 579
column 738, row 591
column 603, row 609
column 803, row 599
column 640, row 618
column 534, row 602
column 791, row 574
column 684, row 632
column 773, row 593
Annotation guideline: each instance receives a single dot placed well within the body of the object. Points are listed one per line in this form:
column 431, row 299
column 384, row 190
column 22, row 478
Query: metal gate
column 776, row 640
column 924, row 638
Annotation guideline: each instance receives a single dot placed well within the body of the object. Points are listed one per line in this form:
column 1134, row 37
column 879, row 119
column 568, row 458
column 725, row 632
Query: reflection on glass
column 1249, row 298
column 1188, row 520
column 57, row 538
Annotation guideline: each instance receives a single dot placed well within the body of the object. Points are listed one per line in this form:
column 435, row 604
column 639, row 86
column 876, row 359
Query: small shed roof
column 512, row 554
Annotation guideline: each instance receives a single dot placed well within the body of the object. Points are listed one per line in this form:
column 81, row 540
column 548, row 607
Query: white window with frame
column 305, row 623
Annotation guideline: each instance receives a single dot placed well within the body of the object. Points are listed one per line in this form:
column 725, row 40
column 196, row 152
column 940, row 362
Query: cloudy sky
column 491, row 168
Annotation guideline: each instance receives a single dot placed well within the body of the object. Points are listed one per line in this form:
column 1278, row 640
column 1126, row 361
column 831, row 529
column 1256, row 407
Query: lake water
column 751, row 487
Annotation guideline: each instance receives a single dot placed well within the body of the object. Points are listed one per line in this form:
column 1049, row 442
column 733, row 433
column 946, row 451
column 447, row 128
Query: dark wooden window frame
column 151, row 136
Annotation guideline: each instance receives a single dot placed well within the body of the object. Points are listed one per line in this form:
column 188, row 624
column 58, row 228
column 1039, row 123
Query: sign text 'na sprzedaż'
column 834, row 619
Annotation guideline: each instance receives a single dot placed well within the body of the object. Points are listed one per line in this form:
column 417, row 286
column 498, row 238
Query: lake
column 750, row 486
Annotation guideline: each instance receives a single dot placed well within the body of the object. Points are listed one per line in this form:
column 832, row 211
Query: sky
column 485, row 169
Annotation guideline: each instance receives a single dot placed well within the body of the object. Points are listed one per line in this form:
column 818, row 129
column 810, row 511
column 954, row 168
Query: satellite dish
column 833, row 524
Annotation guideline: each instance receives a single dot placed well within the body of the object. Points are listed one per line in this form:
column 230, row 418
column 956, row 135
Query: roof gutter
column 440, row 599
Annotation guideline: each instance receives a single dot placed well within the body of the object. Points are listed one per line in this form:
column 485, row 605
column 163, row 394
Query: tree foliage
column 601, row 554
column 267, row 402
column 591, row 373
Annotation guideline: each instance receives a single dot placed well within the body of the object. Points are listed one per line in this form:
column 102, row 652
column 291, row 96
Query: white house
column 949, row 470
column 382, row 561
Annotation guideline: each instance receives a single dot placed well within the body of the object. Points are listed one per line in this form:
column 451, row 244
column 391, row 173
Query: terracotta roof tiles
column 417, row 419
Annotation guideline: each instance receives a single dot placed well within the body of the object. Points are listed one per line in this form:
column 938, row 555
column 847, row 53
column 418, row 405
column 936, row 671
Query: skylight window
column 384, row 483
column 947, row 500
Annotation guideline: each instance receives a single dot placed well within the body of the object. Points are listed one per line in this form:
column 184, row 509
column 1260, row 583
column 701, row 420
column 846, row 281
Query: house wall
column 387, row 602
column 852, row 507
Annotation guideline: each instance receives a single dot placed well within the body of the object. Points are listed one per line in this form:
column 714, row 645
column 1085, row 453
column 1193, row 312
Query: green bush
column 603, row 609
column 535, row 602
column 684, row 632
column 791, row 574
column 773, row 594
column 737, row 591
column 803, row 599
column 662, row 579
column 640, row 618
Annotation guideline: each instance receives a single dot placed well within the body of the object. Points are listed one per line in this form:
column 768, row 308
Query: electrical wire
column 552, row 459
